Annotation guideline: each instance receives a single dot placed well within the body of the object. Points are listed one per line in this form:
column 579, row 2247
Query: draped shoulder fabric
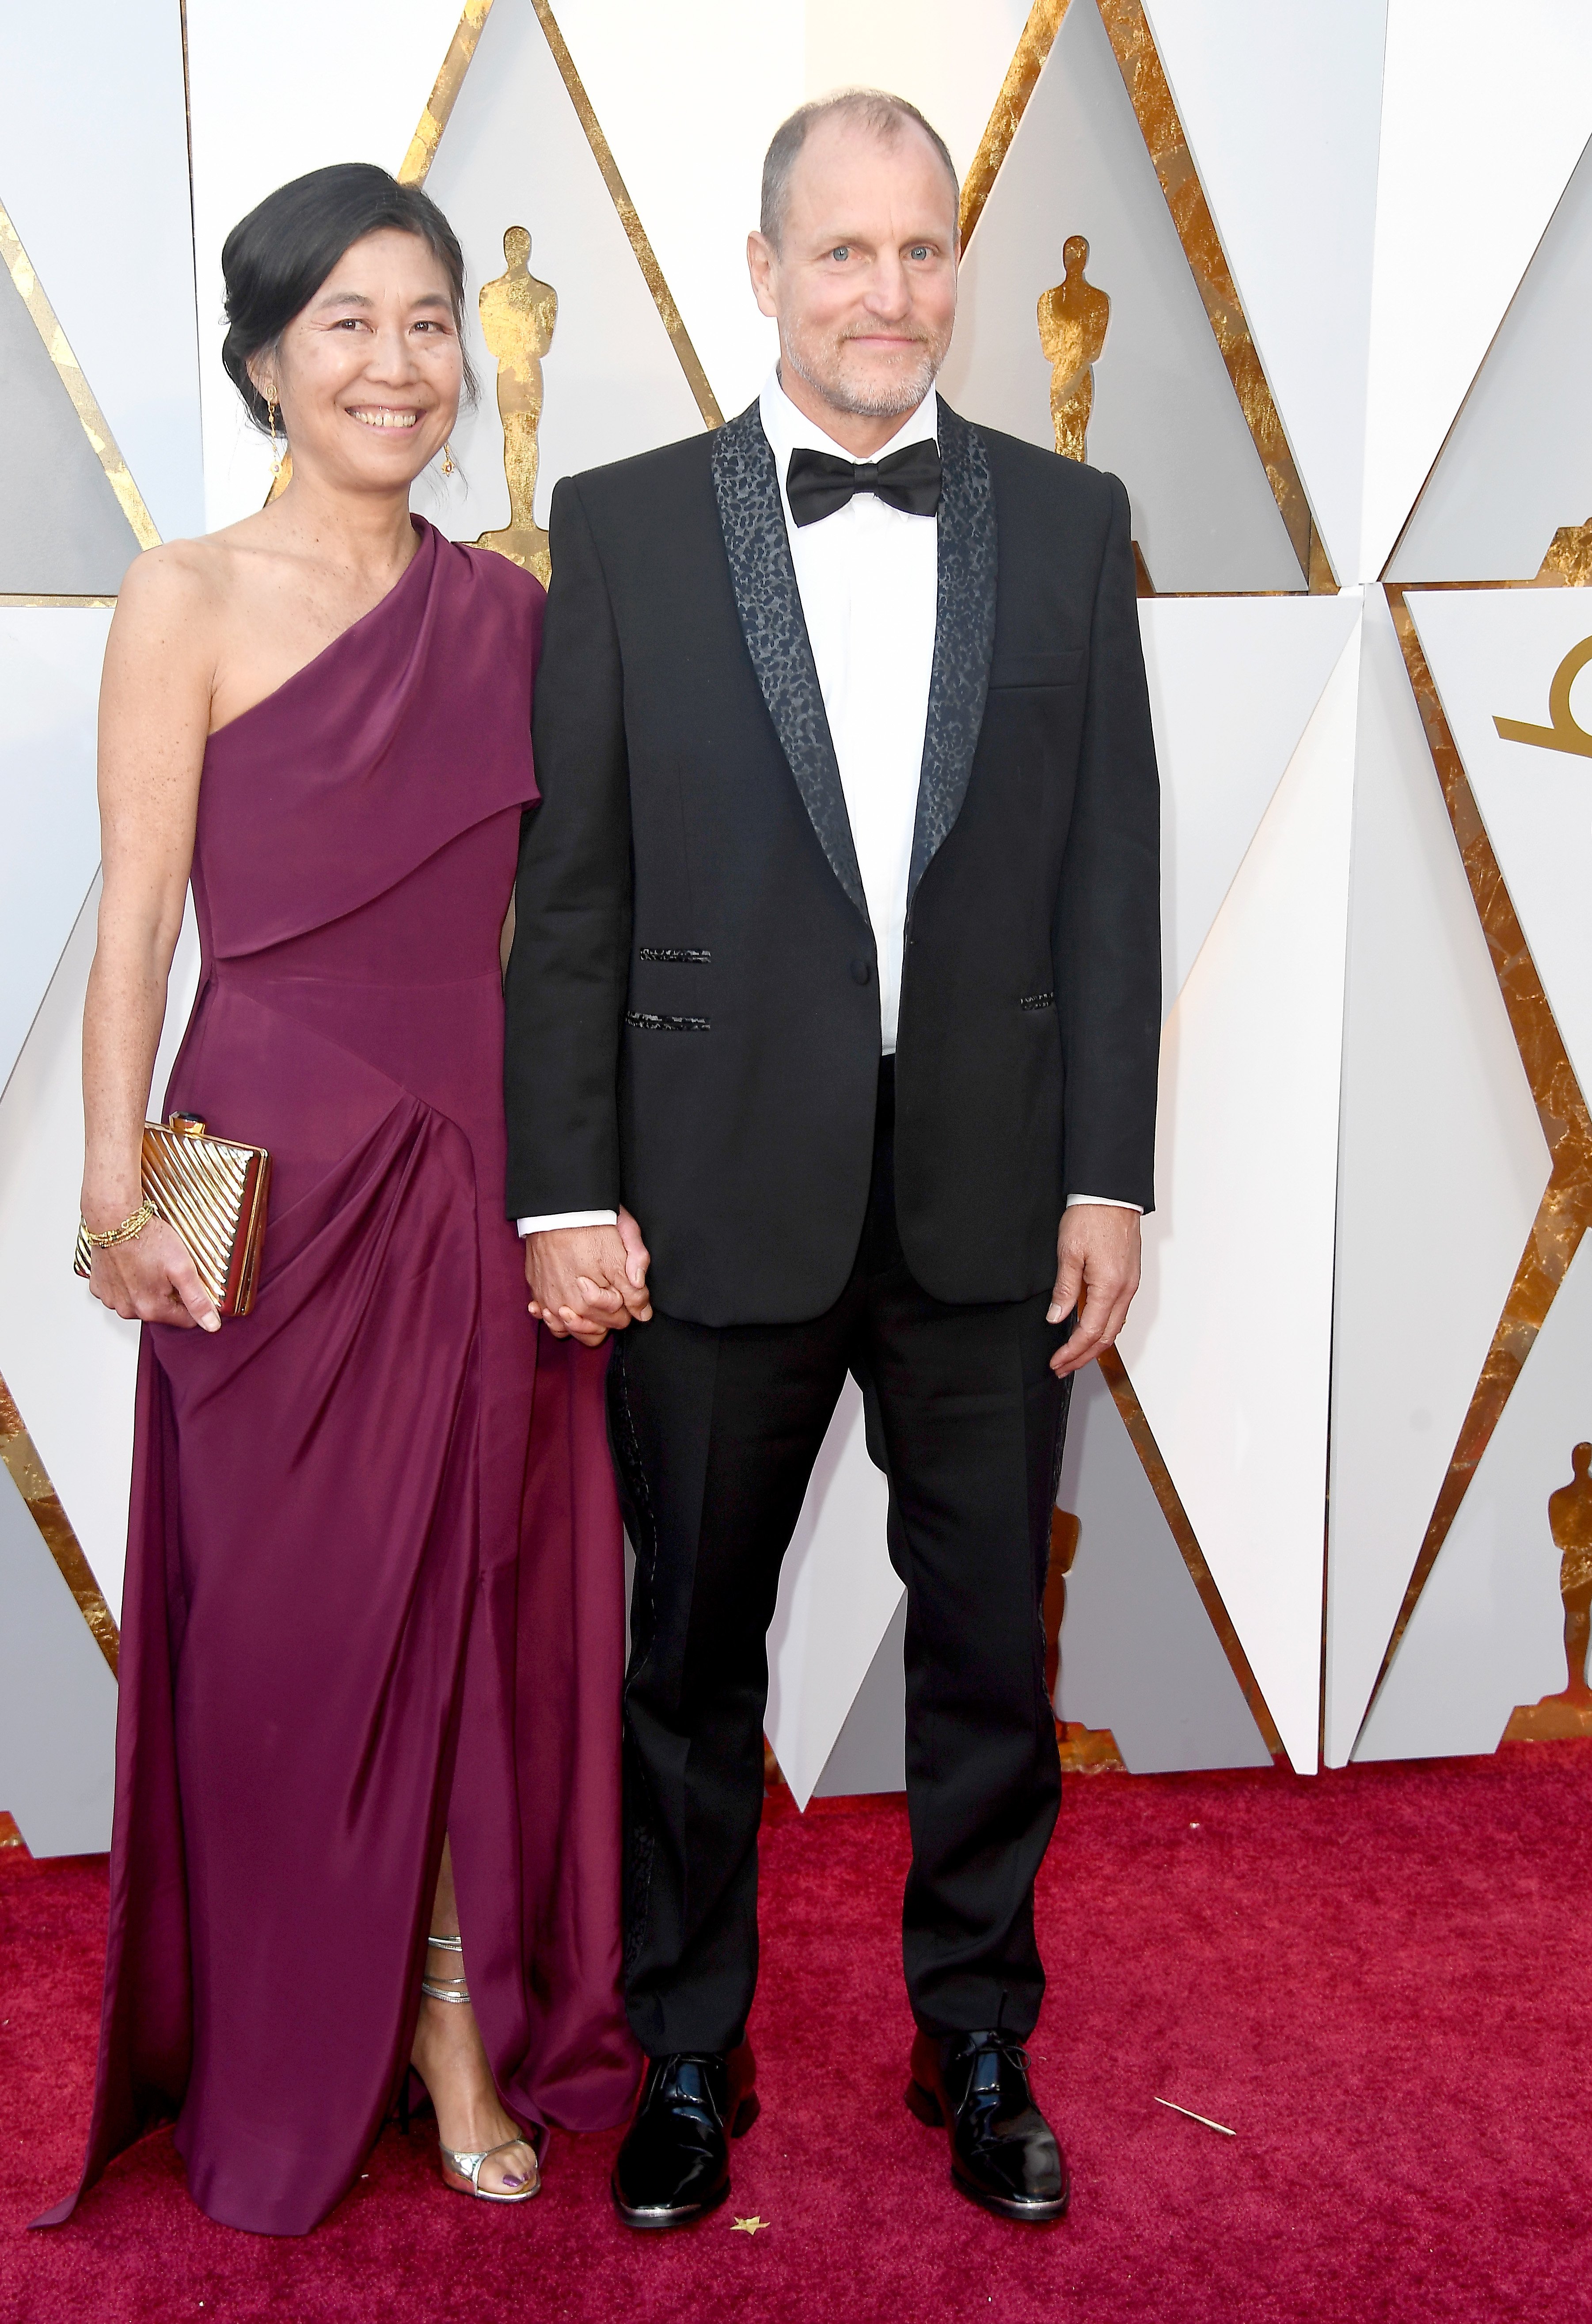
column 374, row 1578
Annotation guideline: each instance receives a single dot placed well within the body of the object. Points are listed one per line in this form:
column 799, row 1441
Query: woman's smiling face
column 367, row 376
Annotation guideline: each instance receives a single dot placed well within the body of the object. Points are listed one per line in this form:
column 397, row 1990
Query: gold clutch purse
column 212, row 1191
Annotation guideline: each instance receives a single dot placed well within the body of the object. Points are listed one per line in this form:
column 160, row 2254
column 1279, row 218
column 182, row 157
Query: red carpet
column 1380, row 1979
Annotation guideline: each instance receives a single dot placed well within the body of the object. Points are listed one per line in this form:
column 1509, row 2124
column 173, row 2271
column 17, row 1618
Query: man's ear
column 762, row 260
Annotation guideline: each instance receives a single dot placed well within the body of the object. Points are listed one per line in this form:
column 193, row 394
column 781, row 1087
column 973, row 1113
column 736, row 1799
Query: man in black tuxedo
column 837, row 976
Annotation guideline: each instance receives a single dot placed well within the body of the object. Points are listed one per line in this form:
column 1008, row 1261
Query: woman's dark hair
column 276, row 259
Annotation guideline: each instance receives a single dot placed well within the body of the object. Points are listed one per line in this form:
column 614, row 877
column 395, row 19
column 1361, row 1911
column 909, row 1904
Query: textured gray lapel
column 965, row 637
column 751, row 518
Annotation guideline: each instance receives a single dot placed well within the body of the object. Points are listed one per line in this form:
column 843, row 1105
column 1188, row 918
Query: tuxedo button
column 861, row 971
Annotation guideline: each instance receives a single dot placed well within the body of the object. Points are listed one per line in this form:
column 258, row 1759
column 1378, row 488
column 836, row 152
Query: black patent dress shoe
column 1003, row 2154
column 674, row 2165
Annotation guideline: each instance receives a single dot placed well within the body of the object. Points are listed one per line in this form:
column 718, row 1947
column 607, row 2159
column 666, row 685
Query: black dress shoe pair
column 1004, row 2155
column 674, row 2165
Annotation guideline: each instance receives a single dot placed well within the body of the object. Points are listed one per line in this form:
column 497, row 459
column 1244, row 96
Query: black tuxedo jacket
column 693, row 994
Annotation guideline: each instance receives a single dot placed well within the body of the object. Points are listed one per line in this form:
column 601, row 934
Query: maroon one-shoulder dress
column 375, row 1576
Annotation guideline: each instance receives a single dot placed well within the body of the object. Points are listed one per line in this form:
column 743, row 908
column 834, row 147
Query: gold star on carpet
column 750, row 2226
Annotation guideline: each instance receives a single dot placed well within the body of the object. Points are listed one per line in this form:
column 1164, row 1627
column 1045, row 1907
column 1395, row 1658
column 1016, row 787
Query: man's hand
column 588, row 1281
column 1097, row 1272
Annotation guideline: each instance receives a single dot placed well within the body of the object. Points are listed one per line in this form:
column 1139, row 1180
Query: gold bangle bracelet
column 136, row 1225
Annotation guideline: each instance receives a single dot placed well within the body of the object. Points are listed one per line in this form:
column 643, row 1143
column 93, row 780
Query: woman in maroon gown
column 374, row 1618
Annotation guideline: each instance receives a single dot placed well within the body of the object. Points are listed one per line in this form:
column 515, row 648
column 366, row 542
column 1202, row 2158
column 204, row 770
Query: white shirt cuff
column 1106, row 1201
column 567, row 1219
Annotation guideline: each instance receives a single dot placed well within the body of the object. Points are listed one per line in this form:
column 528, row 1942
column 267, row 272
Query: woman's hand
column 153, row 1279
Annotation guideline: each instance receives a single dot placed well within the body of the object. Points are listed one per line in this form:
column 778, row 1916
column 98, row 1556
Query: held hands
column 153, row 1279
column 588, row 1281
column 1097, row 1272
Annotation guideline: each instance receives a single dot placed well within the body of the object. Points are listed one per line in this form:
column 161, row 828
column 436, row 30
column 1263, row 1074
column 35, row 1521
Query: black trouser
column 715, row 1433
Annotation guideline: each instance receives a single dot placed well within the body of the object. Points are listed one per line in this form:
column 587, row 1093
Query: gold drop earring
column 276, row 449
column 448, row 460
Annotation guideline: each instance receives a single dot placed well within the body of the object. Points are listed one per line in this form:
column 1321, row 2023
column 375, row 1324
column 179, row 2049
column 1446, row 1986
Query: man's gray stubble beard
column 888, row 403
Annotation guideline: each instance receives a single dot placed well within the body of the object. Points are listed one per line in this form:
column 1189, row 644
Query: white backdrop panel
column 838, row 1592
column 1441, row 1165
column 688, row 108
column 870, row 1752
column 944, row 57
column 1485, row 111
column 1281, row 108
column 1227, row 1343
column 355, row 91
column 1138, row 1655
column 50, row 659
column 1518, row 463
column 58, row 1699
column 1232, row 686
column 94, row 171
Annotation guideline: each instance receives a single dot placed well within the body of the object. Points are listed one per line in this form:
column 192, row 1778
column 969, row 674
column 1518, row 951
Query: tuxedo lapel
column 965, row 637
column 751, row 518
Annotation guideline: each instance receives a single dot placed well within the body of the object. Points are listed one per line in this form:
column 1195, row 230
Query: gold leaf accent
column 445, row 92
column 19, row 1454
column 1033, row 45
column 1568, row 564
column 1139, row 62
column 27, row 597
column 94, row 425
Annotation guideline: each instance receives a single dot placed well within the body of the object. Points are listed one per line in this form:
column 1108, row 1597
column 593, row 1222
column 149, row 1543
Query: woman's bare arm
column 154, row 715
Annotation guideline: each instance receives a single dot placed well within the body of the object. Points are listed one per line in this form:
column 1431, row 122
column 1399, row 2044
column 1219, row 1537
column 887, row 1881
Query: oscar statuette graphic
column 517, row 315
column 1073, row 320
column 1084, row 1750
column 1570, row 1521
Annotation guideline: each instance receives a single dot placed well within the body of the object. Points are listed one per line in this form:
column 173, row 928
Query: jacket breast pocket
column 1037, row 669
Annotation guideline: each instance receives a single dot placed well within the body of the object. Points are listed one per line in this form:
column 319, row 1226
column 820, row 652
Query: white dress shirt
column 868, row 576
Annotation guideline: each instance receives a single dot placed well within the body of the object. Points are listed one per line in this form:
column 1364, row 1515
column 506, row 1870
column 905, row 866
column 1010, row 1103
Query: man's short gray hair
column 873, row 109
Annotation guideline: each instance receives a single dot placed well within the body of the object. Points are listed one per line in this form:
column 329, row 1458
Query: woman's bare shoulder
column 180, row 582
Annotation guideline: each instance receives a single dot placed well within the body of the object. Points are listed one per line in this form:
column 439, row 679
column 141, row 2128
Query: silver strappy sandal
column 463, row 2172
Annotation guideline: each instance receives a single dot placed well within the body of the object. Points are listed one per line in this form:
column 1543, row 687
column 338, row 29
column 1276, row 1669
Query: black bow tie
column 816, row 483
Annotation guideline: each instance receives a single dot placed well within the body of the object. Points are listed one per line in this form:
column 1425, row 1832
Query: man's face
column 863, row 281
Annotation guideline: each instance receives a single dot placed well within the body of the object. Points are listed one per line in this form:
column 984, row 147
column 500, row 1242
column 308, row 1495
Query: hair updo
column 276, row 259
